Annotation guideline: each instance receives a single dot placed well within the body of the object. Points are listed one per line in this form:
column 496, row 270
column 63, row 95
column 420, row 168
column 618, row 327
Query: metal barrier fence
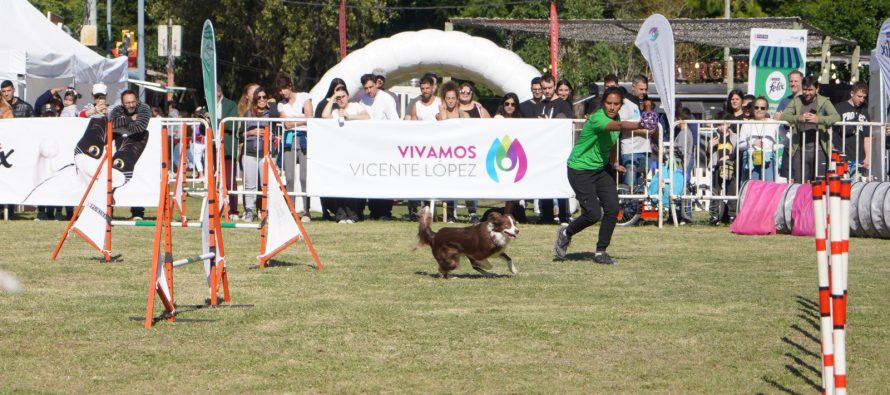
column 714, row 157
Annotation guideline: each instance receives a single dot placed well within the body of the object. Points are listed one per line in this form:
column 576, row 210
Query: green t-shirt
column 591, row 151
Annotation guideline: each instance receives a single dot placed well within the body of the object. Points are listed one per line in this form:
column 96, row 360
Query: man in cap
column 99, row 107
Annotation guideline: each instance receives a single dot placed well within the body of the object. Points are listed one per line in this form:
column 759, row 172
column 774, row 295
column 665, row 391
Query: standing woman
column 756, row 144
column 734, row 105
column 469, row 106
column 590, row 174
column 328, row 205
column 254, row 136
column 449, row 107
column 337, row 106
column 509, row 107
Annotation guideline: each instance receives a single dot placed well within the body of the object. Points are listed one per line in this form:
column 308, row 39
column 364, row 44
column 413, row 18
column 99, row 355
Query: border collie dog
column 477, row 242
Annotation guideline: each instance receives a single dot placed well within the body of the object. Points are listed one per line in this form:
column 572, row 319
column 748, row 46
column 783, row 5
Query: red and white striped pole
column 837, row 284
column 820, row 229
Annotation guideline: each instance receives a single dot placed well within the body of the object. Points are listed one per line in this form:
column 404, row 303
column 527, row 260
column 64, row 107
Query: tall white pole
column 108, row 29
column 729, row 75
column 140, row 56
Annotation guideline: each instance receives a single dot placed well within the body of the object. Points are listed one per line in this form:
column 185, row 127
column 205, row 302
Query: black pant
column 380, row 208
column 597, row 194
column 812, row 153
column 546, row 206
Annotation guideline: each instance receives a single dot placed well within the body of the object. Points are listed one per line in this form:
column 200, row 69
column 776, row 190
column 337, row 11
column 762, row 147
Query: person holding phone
column 812, row 114
column 99, row 107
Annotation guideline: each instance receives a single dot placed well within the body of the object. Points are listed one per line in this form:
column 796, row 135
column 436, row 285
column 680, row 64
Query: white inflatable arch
column 409, row 55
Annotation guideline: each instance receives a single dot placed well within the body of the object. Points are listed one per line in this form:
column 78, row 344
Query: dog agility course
column 691, row 310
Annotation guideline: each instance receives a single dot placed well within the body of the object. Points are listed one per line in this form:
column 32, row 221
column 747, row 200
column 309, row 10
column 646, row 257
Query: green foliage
column 857, row 20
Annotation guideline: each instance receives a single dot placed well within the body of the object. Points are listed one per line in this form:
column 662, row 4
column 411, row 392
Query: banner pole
column 109, row 144
column 267, row 163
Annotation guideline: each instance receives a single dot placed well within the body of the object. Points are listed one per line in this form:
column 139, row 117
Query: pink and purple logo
column 506, row 155
column 653, row 34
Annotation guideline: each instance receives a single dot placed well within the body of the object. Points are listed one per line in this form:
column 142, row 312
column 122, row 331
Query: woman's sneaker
column 603, row 258
column 248, row 216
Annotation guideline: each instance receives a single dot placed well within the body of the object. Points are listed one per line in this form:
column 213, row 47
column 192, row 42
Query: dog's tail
column 424, row 233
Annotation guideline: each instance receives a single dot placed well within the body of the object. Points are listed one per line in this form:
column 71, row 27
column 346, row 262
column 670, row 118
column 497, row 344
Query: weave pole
column 835, row 232
column 825, row 323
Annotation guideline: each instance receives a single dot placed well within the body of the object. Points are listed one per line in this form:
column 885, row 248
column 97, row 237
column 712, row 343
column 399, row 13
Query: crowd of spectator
column 753, row 149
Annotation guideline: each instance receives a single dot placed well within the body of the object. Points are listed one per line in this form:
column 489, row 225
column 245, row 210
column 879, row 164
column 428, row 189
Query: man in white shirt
column 380, row 107
column 635, row 146
column 426, row 107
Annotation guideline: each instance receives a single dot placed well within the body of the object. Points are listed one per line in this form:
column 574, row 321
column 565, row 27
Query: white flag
column 882, row 57
column 656, row 41
column 280, row 222
column 93, row 219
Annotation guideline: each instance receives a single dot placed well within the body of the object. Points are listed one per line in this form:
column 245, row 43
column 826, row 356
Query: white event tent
column 38, row 54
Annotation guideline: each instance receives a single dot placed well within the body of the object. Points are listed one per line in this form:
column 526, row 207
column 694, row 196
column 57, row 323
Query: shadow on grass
column 779, row 387
column 464, row 275
column 187, row 308
column 277, row 263
column 799, row 368
column 112, row 259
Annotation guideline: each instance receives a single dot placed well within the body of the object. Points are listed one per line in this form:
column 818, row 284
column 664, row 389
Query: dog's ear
column 494, row 216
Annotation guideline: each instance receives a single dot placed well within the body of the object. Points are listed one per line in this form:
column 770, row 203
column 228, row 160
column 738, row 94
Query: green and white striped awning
column 778, row 57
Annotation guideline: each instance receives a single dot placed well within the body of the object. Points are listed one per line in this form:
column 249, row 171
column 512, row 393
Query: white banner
column 280, row 221
column 774, row 54
column 458, row 158
column 50, row 161
column 882, row 57
column 656, row 42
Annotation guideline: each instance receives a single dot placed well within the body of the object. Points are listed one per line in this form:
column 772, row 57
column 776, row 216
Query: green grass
column 693, row 309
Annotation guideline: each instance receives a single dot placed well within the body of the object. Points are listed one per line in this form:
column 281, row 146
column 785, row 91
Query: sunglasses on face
column 466, row 92
column 760, row 108
column 261, row 97
column 509, row 104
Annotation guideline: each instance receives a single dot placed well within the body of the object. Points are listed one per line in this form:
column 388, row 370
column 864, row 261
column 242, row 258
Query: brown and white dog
column 477, row 242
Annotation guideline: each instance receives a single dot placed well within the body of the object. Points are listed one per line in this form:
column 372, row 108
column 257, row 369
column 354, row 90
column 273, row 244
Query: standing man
column 591, row 172
column 381, row 81
column 794, row 79
column 380, row 107
column 228, row 109
column 20, row 108
column 554, row 107
column 609, row 81
column 635, row 146
column 534, row 107
column 129, row 123
column 813, row 114
column 853, row 141
column 424, row 108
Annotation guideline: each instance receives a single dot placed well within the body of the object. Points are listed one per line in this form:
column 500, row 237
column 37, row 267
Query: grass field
column 689, row 310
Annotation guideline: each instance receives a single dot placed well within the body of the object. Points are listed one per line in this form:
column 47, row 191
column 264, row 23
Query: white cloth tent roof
column 49, row 52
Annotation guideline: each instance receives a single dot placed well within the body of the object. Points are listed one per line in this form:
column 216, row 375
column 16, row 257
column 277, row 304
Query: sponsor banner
column 656, row 42
column 774, row 54
column 458, row 158
column 50, row 161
